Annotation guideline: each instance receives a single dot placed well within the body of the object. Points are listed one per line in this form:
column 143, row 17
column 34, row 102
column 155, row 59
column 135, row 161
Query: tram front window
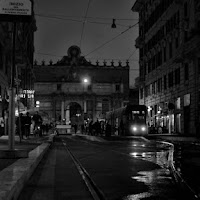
column 138, row 116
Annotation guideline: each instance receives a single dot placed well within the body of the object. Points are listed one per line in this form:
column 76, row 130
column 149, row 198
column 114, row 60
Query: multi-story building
column 73, row 89
column 24, row 48
column 169, row 46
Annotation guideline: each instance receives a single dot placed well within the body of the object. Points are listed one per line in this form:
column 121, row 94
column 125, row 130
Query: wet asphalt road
column 122, row 170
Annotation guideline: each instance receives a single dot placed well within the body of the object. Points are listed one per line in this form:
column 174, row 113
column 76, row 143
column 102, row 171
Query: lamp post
column 12, row 92
column 86, row 81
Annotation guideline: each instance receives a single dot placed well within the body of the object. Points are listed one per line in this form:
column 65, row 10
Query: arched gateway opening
column 74, row 114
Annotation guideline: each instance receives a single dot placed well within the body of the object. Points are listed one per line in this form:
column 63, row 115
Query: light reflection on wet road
column 154, row 184
column 152, row 179
column 156, row 178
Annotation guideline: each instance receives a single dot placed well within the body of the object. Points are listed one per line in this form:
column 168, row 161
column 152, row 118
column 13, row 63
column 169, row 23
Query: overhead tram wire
column 88, row 17
column 132, row 54
column 84, row 23
column 105, row 43
column 76, row 20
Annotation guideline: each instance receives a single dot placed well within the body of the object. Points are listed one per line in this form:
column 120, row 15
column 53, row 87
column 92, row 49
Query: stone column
column 62, row 111
column 67, row 115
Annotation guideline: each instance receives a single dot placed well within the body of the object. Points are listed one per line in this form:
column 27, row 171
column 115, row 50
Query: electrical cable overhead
column 132, row 54
column 80, row 20
column 105, row 43
column 84, row 23
column 53, row 17
column 89, row 17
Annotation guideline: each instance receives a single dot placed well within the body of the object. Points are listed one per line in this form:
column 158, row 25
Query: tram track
column 94, row 190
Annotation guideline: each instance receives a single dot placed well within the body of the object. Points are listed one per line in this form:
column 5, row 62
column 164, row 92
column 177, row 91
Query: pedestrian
column 108, row 129
column 82, row 128
column 2, row 124
column 75, row 128
column 27, row 124
column 121, row 127
column 97, row 127
column 90, row 127
column 37, row 121
column 20, row 125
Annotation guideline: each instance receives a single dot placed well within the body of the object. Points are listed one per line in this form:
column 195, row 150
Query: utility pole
column 12, row 94
column 14, row 11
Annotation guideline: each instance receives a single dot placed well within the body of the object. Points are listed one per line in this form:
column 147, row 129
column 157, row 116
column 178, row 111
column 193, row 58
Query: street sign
column 15, row 10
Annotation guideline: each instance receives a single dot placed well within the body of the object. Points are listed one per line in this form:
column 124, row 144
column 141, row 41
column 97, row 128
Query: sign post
column 14, row 11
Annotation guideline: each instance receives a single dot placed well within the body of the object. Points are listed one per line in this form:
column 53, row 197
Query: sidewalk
column 15, row 172
column 25, row 144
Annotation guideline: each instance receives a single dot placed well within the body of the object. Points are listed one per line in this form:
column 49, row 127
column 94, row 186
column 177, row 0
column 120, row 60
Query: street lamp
column 85, row 80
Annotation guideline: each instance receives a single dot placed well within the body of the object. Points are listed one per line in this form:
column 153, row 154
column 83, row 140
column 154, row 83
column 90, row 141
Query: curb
column 14, row 177
column 182, row 183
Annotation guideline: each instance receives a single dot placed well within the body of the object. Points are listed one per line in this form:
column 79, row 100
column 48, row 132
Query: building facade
column 24, row 49
column 169, row 46
column 74, row 90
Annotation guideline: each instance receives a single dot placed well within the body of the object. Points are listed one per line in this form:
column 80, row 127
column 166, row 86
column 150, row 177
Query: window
column 89, row 105
column 185, row 9
column 99, row 106
column 186, row 70
column 141, row 93
column 160, row 85
column 198, row 65
column 170, row 50
column 105, row 106
column 153, row 88
column 177, row 76
column 178, row 103
column 170, row 79
column 185, row 36
column 146, row 91
column 165, row 82
column 89, row 88
column 58, row 87
column 117, row 88
column 177, row 42
column 1, row 57
column 186, row 99
column 199, row 96
column 164, row 54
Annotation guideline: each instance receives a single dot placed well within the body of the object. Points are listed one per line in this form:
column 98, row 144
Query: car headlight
column 143, row 128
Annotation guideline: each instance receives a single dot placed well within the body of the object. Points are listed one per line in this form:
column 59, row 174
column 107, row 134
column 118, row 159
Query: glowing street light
column 85, row 80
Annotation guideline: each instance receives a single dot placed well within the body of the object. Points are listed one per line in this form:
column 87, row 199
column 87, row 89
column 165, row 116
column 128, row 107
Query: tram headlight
column 134, row 128
column 143, row 128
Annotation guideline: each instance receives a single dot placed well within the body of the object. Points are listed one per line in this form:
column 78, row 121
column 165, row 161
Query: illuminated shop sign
column 29, row 93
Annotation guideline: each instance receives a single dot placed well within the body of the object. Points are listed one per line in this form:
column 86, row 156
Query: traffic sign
column 15, row 10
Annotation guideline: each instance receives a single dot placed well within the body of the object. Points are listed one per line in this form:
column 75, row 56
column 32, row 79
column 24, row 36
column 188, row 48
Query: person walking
column 27, row 124
column 2, row 124
column 75, row 128
column 90, row 127
column 37, row 121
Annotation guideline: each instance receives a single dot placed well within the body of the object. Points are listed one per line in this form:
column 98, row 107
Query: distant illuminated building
column 74, row 90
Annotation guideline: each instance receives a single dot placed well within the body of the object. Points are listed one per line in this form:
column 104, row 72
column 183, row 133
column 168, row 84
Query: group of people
column 25, row 124
column 97, row 128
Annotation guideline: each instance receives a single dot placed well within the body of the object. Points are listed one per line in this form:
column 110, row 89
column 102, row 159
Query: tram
column 128, row 120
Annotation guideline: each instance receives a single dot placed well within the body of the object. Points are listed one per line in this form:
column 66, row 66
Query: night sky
column 87, row 24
